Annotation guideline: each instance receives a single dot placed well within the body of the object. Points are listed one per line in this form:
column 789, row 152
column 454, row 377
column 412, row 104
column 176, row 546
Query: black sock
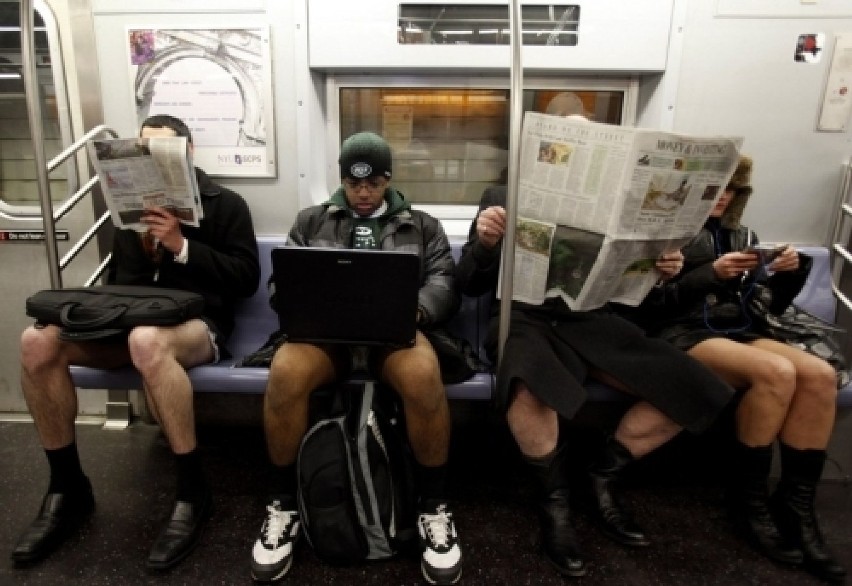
column 66, row 474
column 191, row 483
column 284, row 485
column 432, row 483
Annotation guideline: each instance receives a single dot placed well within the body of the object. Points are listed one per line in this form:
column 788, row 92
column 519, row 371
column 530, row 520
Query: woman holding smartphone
column 788, row 395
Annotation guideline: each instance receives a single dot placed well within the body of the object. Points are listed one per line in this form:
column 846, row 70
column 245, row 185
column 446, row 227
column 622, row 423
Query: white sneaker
column 272, row 553
column 441, row 561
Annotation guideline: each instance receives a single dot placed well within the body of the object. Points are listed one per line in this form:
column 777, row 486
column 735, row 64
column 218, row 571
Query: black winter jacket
column 330, row 225
column 222, row 264
column 696, row 295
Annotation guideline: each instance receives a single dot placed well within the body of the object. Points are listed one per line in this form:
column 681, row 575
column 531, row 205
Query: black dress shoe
column 59, row 516
column 559, row 543
column 181, row 533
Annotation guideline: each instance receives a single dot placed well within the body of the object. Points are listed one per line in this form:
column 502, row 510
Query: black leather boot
column 793, row 506
column 558, row 540
column 607, row 511
column 748, row 504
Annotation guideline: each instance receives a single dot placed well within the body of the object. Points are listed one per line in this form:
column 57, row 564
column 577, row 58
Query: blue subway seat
column 255, row 320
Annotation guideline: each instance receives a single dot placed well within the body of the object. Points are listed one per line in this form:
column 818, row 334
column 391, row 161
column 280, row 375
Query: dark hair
column 166, row 121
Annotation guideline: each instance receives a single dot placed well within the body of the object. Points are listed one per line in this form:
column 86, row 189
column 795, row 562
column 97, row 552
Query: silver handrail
column 80, row 143
column 83, row 241
column 43, row 167
column 841, row 258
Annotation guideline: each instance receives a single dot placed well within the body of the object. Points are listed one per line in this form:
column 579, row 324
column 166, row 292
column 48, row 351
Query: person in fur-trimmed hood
column 789, row 395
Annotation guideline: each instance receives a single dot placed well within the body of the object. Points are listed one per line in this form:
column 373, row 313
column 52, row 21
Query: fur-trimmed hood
column 741, row 184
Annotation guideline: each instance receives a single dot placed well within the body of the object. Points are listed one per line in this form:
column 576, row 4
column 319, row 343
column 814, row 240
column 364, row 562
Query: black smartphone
column 767, row 252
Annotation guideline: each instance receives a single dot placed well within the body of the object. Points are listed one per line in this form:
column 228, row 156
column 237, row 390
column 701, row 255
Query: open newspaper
column 598, row 204
column 139, row 173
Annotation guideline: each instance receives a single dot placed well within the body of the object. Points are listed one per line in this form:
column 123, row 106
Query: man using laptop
column 366, row 213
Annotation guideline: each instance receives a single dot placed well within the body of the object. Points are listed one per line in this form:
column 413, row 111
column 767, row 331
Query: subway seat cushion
column 255, row 320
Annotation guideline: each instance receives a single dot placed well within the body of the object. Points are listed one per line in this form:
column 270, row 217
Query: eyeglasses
column 371, row 183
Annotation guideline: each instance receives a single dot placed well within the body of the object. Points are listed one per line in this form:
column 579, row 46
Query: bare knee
column 292, row 376
column 819, row 380
column 148, row 347
column 644, row 420
column 40, row 348
column 418, row 380
column 525, row 404
column 772, row 379
column 534, row 425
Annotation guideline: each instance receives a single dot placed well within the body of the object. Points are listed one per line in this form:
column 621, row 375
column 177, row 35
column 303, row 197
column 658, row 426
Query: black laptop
column 347, row 296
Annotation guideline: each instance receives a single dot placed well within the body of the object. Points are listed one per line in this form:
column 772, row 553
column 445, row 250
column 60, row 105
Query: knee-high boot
column 558, row 540
column 793, row 506
column 748, row 501
column 604, row 473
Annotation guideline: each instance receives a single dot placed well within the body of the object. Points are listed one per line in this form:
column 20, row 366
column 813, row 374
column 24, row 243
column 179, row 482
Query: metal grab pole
column 37, row 133
column 516, row 113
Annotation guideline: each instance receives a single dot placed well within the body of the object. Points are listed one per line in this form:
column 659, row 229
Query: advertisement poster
column 218, row 82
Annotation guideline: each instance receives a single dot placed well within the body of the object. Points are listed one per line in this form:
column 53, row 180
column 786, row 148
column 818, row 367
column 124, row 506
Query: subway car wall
column 724, row 68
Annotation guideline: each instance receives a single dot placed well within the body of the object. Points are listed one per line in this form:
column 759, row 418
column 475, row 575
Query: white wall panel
column 614, row 35
column 738, row 77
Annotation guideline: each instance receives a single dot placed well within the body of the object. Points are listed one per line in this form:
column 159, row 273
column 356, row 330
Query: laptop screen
column 347, row 296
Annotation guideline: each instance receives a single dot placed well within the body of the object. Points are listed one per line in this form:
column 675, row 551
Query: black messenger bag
column 89, row 313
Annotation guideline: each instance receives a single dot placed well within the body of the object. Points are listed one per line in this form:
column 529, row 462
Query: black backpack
column 356, row 493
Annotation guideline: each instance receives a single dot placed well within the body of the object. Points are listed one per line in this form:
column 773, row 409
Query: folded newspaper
column 139, row 173
column 598, row 204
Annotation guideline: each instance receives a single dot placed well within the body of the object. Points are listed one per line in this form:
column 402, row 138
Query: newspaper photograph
column 598, row 204
column 139, row 173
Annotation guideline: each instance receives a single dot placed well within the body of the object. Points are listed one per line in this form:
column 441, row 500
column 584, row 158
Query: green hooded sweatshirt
column 366, row 232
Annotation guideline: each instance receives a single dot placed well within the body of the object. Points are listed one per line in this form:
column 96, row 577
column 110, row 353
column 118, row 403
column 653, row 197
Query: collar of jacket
column 205, row 186
column 397, row 206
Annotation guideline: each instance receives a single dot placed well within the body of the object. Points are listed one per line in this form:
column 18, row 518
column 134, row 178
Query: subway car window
column 486, row 24
column 18, row 184
column 451, row 143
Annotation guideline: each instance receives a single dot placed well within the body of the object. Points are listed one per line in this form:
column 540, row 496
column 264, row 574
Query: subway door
column 24, row 265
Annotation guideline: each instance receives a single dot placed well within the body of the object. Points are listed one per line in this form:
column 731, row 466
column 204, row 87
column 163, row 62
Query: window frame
column 456, row 215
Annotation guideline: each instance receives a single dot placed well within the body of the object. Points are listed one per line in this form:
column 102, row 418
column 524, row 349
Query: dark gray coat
column 554, row 350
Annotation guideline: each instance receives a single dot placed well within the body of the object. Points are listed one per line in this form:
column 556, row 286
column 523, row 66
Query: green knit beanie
column 363, row 155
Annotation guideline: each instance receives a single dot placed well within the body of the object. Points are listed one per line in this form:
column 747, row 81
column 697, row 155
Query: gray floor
column 673, row 494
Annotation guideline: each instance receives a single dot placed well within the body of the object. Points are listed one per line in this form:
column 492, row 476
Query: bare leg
column 811, row 413
column 415, row 374
column 46, row 381
column 769, row 380
column 52, row 401
column 162, row 355
column 296, row 370
column 769, row 383
column 534, row 425
column 643, row 428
